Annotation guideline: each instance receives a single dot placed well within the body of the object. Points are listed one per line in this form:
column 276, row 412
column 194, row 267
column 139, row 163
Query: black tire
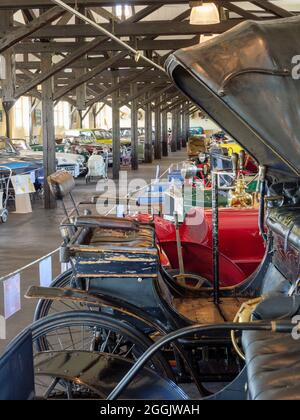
column 4, row 216
column 47, row 331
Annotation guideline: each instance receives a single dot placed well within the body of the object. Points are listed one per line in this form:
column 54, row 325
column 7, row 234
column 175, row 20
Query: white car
column 75, row 164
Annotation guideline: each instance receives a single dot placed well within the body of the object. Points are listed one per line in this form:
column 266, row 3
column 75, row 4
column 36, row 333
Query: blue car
column 10, row 158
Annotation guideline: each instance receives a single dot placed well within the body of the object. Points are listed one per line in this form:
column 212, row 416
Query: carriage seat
column 61, row 183
column 273, row 360
column 117, row 232
column 277, row 307
column 273, row 365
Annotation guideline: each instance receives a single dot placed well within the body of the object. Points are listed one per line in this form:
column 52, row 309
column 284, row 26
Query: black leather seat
column 273, row 365
column 277, row 307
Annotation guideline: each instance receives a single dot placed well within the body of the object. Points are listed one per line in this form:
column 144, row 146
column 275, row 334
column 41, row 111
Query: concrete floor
column 28, row 237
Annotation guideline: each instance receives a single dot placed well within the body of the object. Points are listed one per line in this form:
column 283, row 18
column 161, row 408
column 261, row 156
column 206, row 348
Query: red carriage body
column 241, row 246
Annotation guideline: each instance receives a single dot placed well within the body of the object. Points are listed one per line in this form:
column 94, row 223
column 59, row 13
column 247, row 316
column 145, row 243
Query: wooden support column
column 165, row 134
column 179, row 132
column 9, row 83
column 148, row 134
column 80, row 116
column 174, row 131
column 158, row 134
column 185, row 124
column 81, row 96
column 116, row 129
column 48, row 131
column 134, row 130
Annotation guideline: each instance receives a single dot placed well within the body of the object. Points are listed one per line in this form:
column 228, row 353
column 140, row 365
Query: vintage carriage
column 128, row 307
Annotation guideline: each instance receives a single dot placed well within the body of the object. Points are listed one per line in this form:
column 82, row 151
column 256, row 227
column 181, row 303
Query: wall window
column 123, row 11
column 62, row 115
column 22, row 110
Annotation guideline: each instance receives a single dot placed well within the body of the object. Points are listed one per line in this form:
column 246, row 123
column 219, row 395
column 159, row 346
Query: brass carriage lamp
column 204, row 13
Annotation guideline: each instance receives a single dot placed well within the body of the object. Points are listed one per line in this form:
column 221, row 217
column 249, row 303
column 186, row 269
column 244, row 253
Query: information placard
column 12, row 295
column 45, row 269
column 22, row 184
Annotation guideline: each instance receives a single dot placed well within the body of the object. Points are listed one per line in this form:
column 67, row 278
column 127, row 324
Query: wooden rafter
column 88, row 67
column 152, row 28
column 89, row 75
column 272, row 8
column 56, row 68
column 16, row 35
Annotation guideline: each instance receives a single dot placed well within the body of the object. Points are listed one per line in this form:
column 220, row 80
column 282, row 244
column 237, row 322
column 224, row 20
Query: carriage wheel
column 88, row 332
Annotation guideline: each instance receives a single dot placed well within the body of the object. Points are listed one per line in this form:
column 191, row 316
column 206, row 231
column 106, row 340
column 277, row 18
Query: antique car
column 236, row 262
column 10, row 158
column 196, row 131
column 37, row 147
column 132, row 301
column 86, row 142
column 125, row 134
column 98, row 135
column 73, row 163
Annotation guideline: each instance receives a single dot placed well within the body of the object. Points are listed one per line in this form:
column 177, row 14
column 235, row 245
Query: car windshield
column 126, row 132
column 20, row 145
column 101, row 134
column 6, row 148
column 196, row 131
column 87, row 137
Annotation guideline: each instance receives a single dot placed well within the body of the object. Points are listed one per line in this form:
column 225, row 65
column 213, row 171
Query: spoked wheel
column 69, row 344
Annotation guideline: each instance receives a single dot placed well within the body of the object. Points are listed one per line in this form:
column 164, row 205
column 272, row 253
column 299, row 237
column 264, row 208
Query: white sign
column 157, row 173
column 12, row 295
column 65, row 267
column 45, row 269
column 32, row 177
column 2, row 328
column 22, row 184
column 120, row 211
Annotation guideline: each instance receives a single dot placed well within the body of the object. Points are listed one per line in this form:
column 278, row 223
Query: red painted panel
column 241, row 246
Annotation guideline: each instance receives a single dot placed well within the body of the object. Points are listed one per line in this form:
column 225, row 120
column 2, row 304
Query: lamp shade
column 205, row 14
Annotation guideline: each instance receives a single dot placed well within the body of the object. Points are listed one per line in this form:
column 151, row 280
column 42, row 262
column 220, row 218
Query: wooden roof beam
column 67, row 47
column 65, row 62
column 89, row 75
column 112, row 89
column 19, row 4
column 272, row 8
column 14, row 36
column 154, row 28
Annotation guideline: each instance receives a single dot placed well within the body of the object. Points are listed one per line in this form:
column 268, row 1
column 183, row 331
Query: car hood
column 247, row 81
column 18, row 165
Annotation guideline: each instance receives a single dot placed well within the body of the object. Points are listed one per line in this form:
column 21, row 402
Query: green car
column 60, row 148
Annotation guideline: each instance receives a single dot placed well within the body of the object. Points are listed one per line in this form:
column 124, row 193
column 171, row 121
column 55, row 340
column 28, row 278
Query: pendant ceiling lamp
column 204, row 13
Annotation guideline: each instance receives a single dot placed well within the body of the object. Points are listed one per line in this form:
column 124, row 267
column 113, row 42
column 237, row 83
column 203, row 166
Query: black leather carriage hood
column 248, row 81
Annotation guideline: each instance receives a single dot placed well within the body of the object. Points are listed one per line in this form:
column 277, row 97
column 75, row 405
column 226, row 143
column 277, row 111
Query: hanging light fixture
column 204, row 13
